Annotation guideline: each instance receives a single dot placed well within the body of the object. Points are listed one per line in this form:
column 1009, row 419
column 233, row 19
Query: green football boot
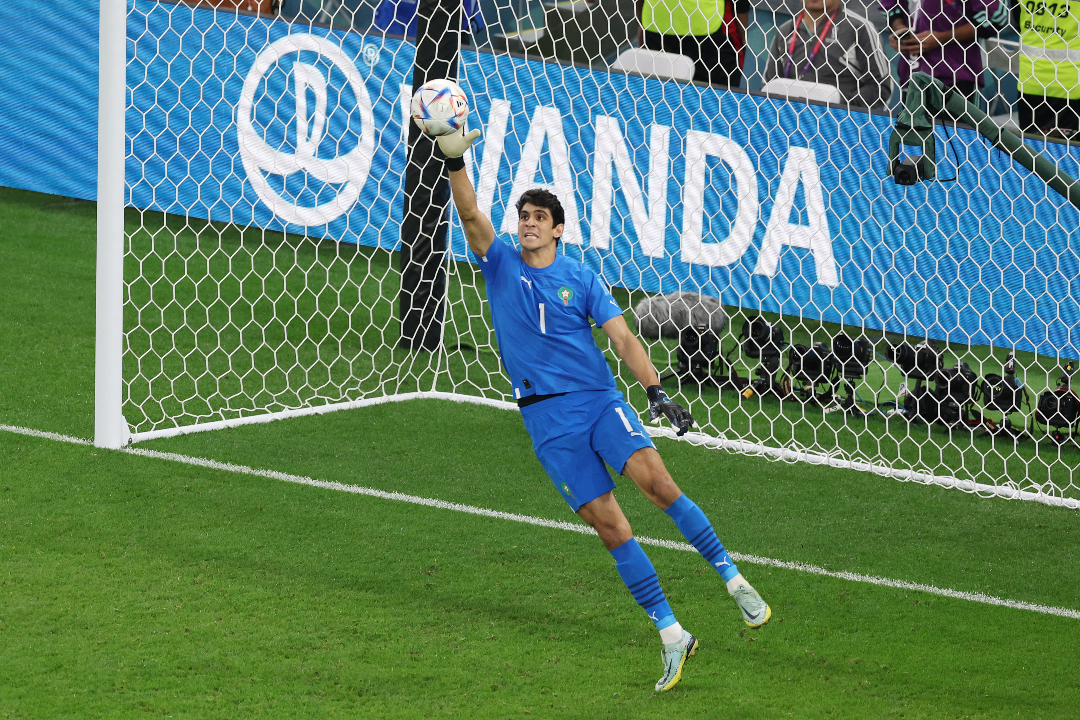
column 674, row 656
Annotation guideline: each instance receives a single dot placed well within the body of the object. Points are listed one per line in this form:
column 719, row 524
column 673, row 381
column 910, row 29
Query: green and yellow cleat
column 755, row 612
column 674, row 656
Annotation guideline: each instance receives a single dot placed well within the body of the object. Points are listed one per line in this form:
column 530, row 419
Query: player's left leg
column 620, row 439
column 647, row 470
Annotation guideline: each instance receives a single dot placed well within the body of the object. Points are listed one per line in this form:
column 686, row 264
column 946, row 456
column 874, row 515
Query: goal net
column 281, row 256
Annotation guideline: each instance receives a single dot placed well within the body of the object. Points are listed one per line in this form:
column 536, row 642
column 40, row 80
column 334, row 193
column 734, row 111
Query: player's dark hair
column 543, row 199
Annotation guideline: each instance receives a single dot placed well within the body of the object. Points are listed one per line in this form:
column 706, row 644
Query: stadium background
column 982, row 260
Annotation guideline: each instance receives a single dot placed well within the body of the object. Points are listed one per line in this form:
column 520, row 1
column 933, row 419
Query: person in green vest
column 1049, row 101
column 712, row 33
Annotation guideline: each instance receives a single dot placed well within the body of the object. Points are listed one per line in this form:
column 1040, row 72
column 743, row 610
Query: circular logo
column 347, row 172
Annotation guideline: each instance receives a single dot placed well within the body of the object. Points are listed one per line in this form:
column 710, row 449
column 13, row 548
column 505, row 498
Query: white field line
column 560, row 525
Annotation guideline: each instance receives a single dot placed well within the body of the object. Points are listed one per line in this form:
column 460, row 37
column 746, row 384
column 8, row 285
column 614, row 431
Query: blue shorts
column 575, row 434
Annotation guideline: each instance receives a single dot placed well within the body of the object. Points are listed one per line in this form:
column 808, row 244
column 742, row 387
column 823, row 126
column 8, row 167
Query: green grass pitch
column 134, row 586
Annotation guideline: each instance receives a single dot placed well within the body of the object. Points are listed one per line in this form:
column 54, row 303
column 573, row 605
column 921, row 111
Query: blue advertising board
column 766, row 204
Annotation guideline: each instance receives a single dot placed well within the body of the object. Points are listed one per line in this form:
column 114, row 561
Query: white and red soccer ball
column 439, row 107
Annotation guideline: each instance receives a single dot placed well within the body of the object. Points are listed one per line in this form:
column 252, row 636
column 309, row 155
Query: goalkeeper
column 540, row 303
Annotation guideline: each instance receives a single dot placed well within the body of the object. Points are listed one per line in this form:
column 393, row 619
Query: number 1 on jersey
column 543, row 328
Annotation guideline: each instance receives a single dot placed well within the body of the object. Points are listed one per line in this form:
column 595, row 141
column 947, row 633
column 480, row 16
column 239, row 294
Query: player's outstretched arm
column 478, row 229
column 632, row 352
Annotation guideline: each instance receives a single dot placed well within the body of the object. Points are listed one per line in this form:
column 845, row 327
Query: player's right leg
column 636, row 570
column 559, row 428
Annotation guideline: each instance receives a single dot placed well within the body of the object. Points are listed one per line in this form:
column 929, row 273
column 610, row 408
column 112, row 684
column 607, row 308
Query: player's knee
column 613, row 533
column 614, row 529
column 661, row 489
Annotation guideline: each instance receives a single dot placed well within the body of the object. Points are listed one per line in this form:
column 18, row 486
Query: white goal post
column 256, row 257
column 110, row 428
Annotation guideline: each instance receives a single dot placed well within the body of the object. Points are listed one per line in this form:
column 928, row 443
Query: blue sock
column 637, row 572
column 695, row 527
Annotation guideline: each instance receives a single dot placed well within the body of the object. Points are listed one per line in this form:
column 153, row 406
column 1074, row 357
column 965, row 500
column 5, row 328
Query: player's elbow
column 468, row 213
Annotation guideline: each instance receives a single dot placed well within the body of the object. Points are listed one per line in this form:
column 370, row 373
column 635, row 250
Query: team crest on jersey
column 566, row 295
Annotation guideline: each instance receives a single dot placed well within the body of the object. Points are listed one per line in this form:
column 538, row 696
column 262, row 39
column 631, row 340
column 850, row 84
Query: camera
column 1059, row 408
column 909, row 170
column 958, row 383
column 762, row 341
column 698, row 361
column 851, row 357
column 920, row 362
column 955, row 390
column 925, row 362
column 1002, row 393
column 698, row 349
column 810, row 365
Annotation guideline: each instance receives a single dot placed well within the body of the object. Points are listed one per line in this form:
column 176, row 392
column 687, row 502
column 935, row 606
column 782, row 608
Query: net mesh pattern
column 733, row 189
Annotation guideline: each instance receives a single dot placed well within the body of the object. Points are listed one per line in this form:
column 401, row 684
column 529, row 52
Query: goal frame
column 110, row 428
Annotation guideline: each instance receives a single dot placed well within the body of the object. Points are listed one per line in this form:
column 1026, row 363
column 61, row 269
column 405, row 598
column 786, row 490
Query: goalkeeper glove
column 454, row 145
column 661, row 404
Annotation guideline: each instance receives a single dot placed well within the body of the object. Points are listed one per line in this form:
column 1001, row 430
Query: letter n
column 648, row 211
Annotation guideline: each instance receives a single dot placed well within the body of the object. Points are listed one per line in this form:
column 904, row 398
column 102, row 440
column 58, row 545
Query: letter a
column 800, row 166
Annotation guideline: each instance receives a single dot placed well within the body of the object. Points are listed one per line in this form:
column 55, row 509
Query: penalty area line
column 556, row 524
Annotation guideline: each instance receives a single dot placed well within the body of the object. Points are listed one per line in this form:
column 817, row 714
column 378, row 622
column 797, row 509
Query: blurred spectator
column 712, row 33
column 398, row 17
column 1049, row 101
column 827, row 43
column 939, row 37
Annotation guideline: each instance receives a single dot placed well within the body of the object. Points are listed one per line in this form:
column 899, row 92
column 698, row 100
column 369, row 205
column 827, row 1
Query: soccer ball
column 439, row 107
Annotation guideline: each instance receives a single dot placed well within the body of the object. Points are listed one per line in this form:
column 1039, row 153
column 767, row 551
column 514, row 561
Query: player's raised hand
column 661, row 405
column 455, row 144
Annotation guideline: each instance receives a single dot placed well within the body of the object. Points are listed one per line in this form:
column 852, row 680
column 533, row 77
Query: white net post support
column 110, row 429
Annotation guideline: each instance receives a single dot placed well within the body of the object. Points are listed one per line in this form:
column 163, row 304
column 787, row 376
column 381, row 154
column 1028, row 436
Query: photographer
column 712, row 33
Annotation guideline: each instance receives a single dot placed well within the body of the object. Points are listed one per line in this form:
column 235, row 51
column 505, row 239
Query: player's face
column 535, row 228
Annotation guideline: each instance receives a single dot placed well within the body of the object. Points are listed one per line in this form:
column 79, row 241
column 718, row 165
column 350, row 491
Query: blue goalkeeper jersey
column 541, row 319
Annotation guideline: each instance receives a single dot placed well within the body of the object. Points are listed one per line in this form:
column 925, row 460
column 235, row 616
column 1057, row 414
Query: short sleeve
column 600, row 304
column 894, row 9
column 496, row 257
column 988, row 16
